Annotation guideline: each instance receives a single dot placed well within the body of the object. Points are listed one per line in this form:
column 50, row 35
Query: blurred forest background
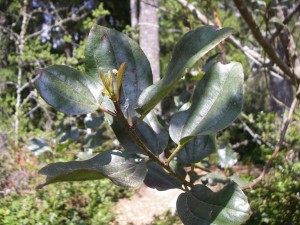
column 38, row 33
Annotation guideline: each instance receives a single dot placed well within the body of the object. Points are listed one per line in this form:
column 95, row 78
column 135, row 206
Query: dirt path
column 144, row 205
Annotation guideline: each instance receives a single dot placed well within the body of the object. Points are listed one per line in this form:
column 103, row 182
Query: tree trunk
column 282, row 89
column 20, row 46
column 134, row 13
column 149, row 36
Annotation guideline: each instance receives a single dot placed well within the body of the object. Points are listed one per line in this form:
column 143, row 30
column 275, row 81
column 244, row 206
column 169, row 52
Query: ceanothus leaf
column 159, row 179
column 190, row 48
column 106, row 50
column 121, row 168
column 201, row 206
column 150, row 131
column 197, row 149
column 217, row 101
column 68, row 90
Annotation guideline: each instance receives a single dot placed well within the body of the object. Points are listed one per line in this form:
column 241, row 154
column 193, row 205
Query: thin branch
column 20, row 51
column 285, row 22
column 29, row 83
column 135, row 137
column 10, row 32
column 280, row 103
column 253, row 55
column 265, row 44
column 279, row 144
column 32, row 110
column 31, row 95
column 178, row 148
column 59, row 23
column 256, row 137
column 106, row 111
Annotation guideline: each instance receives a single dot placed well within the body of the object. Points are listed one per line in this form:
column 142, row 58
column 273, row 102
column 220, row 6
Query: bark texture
column 149, row 37
column 149, row 34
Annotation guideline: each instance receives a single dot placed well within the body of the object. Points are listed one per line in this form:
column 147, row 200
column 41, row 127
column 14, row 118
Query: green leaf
column 67, row 132
column 94, row 139
column 212, row 179
column 238, row 180
column 197, row 149
column 192, row 46
column 121, row 168
column 217, row 102
column 178, row 168
column 276, row 20
column 68, row 90
column 162, row 134
column 159, row 179
column 106, row 50
column 124, row 137
column 150, row 131
column 39, row 146
column 201, row 206
column 92, row 121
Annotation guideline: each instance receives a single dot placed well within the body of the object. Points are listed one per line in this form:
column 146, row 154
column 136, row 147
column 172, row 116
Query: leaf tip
column 40, row 186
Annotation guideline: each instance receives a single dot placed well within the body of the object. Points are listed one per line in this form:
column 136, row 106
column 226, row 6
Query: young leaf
column 197, row 149
column 159, row 179
column 201, row 206
column 121, row 168
column 192, row 46
column 68, row 90
column 217, row 101
column 106, row 50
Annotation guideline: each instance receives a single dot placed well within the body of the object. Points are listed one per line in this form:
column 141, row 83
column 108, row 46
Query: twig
column 11, row 33
column 30, row 82
column 285, row 22
column 265, row 44
column 253, row 55
column 132, row 132
column 59, row 23
column 280, row 103
column 256, row 137
column 178, row 148
column 279, row 144
column 20, row 51
column 106, row 111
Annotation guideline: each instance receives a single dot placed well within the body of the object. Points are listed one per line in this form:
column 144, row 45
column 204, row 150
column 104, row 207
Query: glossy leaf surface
column 68, row 90
column 106, row 50
column 150, row 131
column 197, row 149
column 217, row 101
column 191, row 47
column 159, row 179
column 121, row 168
column 201, row 206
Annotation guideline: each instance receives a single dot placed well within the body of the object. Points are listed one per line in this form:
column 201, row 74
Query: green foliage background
column 275, row 201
